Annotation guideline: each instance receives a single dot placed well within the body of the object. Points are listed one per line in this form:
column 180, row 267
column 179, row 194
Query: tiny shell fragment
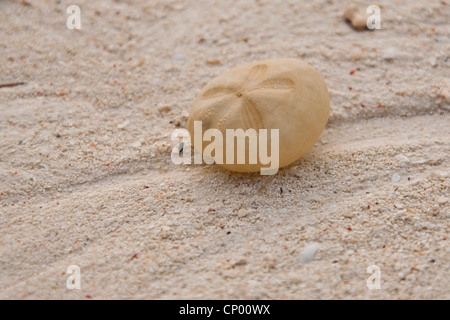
column 308, row 252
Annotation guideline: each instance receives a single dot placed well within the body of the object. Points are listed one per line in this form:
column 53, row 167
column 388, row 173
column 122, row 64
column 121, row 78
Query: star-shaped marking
column 247, row 102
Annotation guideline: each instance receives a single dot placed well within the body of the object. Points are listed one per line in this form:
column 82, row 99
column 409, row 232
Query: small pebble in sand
column 242, row 213
column 433, row 62
column 123, row 124
column 308, row 252
column 240, row 263
column 156, row 82
column 390, row 54
column 403, row 160
column 213, row 61
column 179, row 57
column 395, row 178
column 136, row 144
column 356, row 17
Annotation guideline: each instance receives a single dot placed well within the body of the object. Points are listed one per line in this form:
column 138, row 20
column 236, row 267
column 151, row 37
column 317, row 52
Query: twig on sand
column 13, row 84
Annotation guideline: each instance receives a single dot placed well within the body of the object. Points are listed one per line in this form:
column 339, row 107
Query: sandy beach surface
column 86, row 177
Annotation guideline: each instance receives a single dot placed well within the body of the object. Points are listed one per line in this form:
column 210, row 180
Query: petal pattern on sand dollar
column 218, row 91
column 256, row 73
column 276, row 83
column 252, row 115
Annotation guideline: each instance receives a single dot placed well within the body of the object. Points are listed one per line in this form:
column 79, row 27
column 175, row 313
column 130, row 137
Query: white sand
column 86, row 177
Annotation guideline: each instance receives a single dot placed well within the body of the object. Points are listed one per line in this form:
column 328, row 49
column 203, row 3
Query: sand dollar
column 285, row 94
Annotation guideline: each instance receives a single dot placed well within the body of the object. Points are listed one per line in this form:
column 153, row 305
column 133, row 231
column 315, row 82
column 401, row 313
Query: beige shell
column 356, row 16
column 285, row 94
